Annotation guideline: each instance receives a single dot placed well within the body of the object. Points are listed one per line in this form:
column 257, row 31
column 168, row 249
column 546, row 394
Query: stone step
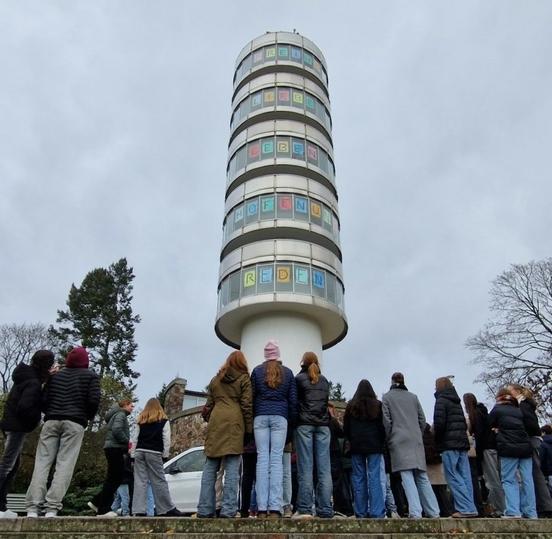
column 176, row 528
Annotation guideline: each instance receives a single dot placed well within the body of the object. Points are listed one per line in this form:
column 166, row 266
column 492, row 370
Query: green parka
column 231, row 415
column 118, row 432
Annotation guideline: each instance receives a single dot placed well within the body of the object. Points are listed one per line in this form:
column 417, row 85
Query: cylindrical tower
column 280, row 271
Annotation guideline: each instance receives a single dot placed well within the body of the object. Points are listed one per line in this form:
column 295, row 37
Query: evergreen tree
column 162, row 394
column 100, row 317
column 336, row 392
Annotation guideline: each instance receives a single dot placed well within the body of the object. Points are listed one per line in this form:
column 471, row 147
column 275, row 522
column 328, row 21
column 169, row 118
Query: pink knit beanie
column 272, row 350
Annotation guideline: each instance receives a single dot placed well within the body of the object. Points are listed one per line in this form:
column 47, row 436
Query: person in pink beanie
column 274, row 405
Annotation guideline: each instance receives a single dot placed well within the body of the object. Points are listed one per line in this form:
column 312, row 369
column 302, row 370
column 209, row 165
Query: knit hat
column 272, row 350
column 77, row 358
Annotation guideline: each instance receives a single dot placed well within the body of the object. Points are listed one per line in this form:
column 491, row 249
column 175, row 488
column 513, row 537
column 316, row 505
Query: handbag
column 206, row 412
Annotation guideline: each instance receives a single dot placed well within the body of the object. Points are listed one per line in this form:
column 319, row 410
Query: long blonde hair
column 310, row 360
column 525, row 391
column 152, row 412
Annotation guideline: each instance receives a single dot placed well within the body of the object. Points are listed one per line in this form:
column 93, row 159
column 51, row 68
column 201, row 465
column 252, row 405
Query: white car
column 183, row 474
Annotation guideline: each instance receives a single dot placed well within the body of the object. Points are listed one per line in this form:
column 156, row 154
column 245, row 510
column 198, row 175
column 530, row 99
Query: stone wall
column 174, row 396
column 187, row 430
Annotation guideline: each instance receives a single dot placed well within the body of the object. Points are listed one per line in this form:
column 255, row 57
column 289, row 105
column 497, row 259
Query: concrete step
column 177, row 528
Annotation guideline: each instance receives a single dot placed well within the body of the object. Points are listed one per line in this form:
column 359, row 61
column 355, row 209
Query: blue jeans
column 390, row 505
column 520, row 498
column 150, row 502
column 121, row 500
column 369, row 497
column 207, row 496
column 312, row 441
column 419, row 493
column 457, row 473
column 286, row 483
column 270, row 438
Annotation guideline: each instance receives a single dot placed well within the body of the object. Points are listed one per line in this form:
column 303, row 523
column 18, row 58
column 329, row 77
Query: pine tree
column 100, row 318
column 336, row 392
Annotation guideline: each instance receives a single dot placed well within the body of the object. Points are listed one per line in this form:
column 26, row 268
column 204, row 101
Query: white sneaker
column 301, row 516
column 8, row 513
column 109, row 514
column 394, row 514
column 50, row 514
column 32, row 514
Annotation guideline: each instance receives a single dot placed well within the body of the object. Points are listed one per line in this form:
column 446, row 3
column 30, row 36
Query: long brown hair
column 152, row 412
column 364, row 404
column 470, row 402
column 310, row 360
column 274, row 373
column 236, row 360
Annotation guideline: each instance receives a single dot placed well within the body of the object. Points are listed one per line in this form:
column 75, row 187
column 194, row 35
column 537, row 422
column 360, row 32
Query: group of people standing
column 270, row 411
column 69, row 397
column 257, row 421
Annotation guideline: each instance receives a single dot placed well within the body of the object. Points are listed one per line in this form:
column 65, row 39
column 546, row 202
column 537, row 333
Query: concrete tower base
column 295, row 334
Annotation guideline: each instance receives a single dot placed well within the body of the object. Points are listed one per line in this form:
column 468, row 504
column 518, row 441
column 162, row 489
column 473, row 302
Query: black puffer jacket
column 22, row 410
column 366, row 436
column 449, row 423
column 546, row 454
column 73, row 394
column 528, row 407
column 512, row 439
column 312, row 400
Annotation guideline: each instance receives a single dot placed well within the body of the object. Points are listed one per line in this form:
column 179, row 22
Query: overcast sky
column 114, row 124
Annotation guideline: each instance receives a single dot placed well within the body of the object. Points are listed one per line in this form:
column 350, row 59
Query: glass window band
column 285, row 147
column 281, row 52
column 281, row 96
column 291, row 277
column 283, row 206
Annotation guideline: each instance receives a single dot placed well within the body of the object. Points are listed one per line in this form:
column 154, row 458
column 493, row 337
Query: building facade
column 281, row 264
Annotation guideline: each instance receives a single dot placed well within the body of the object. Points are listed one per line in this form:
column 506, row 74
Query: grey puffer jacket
column 118, row 431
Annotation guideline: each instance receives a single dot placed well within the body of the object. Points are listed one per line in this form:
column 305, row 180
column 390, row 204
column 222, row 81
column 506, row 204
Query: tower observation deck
column 280, row 265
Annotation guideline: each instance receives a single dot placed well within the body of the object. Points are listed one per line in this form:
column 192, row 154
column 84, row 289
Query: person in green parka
column 230, row 423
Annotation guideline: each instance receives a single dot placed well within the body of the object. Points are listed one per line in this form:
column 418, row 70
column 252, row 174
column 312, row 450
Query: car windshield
column 191, row 462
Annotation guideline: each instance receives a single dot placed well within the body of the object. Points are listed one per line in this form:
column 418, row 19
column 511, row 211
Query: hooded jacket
column 312, row 400
column 22, row 409
column 118, row 431
column 512, row 439
column 74, row 392
column 546, row 454
column 449, row 423
column 528, row 409
column 231, row 416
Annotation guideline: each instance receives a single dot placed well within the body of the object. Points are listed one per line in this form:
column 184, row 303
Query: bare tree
column 516, row 344
column 17, row 343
